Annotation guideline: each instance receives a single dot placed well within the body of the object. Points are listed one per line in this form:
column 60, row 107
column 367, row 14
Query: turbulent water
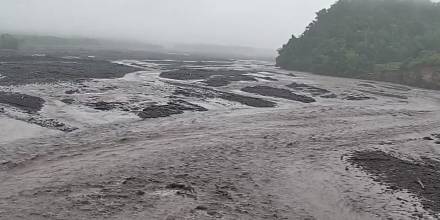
column 242, row 140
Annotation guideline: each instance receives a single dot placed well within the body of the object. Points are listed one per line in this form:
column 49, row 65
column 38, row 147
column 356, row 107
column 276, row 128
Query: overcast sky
column 256, row 23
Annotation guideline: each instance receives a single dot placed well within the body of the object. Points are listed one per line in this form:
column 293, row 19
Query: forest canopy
column 359, row 37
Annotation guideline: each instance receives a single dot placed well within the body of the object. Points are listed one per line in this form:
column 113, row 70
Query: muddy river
column 206, row 139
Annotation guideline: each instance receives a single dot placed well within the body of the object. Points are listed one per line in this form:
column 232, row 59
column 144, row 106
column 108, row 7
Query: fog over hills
column 261, row 24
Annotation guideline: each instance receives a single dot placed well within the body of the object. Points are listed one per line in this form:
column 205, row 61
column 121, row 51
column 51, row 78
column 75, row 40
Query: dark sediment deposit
column 214, row 78
column 356, row 97
column 366, row 85
column 266, row 78
column 218, row 81
column 380, row 93
column 397, row 87
column 68, row 101
column 32, row 105
column 51, row 124
column 315, row 91
column 249, row 101
column 19, row 70
column 174, row 107
column 202, row 92
column 419, row 177
column 148, row 110
column 21, row 101
column 278, row 93
column 187, row 74
column 107, row 106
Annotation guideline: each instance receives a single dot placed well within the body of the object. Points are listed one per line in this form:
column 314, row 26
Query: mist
column 260, row 24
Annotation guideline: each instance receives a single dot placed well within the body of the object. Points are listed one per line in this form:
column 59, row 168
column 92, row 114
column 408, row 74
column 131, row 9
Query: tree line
column 360, row 37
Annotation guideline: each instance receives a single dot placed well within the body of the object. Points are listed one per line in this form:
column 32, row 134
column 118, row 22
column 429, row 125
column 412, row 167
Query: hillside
column 390, row 40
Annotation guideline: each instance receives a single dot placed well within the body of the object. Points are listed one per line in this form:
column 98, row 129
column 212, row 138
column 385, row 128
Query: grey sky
column 257, row 23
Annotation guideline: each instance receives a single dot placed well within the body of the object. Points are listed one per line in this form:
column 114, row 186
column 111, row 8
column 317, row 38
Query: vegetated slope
column 391, row 40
